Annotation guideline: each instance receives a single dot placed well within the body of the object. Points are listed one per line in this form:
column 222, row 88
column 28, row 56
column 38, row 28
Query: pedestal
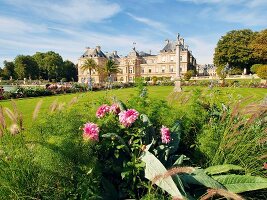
column 177, row 86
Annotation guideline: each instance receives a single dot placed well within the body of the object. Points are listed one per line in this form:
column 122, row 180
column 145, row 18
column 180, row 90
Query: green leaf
column 110, row 135
column 241, row 183
column 110, row 191
column 153, row 168
column 176, row 137
column 199, row 177
column 218, row 169
column 180, row 160
column 121, row 105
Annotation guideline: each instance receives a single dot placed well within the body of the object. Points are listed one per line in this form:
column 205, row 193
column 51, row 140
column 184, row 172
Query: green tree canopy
column 26, row 67
column 110, row 68
column 70, row 71
column 259, row 46
column 234, row 49
column 8, row 70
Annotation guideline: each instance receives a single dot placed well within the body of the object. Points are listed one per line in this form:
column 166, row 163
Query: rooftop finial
column 134, row 43
column 178, row 36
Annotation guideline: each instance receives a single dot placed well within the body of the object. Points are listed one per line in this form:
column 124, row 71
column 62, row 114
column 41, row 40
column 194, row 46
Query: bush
column 188, row 75
column 262, row 72
column 254, row 68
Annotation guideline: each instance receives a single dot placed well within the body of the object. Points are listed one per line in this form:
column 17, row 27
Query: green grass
column 27, row 105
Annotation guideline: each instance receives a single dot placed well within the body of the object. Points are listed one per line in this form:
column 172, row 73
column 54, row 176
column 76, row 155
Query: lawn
column 27, row 105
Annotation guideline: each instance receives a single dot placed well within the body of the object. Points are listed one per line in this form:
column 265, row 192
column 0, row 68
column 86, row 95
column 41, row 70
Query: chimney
column 87, row 47
column 182, row 41
column 115, row 53
column 98, row 48
column 167, row 41
column 186, row 47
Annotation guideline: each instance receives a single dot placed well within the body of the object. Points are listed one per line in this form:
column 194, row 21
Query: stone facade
column 140, row 64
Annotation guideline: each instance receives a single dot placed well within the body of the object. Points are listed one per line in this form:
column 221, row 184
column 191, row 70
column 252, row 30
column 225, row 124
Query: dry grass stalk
column 37, row 110
column 2, row 121
column 12, row 116
column 61, row 106
column 14, row 129
column 176, row 198
column 220, row 192
column 171, row 172
column 73, row 101
column 53, row 106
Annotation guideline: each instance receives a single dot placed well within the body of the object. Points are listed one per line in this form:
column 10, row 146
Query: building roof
column 169, row 47
column 112, row 55
column 133, row 53
column 93, row 52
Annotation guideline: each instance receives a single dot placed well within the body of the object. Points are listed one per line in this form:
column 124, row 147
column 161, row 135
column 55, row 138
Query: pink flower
column 128, row 117
column 165, row 135
column 102, row 110
column 91, row 131
column 114, row 108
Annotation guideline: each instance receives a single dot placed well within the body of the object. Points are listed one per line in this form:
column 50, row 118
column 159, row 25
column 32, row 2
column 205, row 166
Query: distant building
column 140, row 64
column 206, row 70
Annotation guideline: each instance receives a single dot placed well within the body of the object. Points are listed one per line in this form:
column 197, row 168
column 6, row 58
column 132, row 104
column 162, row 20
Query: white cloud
column 158, row 26
column 12, row 25
column 70, row 11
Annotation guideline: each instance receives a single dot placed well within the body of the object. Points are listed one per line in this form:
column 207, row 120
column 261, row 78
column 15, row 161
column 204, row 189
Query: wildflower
column 127, row 118
column 165, row 135
column 114, row 108
column 91, row 131
column 102, row 110
column 265, row 165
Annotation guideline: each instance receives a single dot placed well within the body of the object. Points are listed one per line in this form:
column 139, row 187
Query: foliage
column 259, row 46
column 224, row 138
column 262, row 72
column 8, row 70
column 233, row 48
column 26, row 67
column 254, row 68
column 189, row 74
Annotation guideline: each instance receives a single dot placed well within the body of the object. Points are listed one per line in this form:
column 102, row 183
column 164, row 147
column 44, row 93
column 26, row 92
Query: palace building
column 140, row 64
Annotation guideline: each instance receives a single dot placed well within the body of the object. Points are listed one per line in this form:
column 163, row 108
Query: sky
column 69, row 26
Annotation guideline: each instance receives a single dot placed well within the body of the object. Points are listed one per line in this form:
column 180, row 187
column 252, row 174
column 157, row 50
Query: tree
column 8, row 70
column 110, row 68
column 70, row 71
column 234, row 49
column 188, row 74
column 259, row 46
column 26, row 67
column 89, row 65
column 39, row 58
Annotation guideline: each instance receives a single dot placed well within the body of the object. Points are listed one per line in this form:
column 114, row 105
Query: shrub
column 262, row 72
column 188, row 75
column 254, row 68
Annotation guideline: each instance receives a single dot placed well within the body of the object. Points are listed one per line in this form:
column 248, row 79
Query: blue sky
column 68, row 26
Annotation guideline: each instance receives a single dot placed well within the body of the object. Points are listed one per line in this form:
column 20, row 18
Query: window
column 163, row 59
column 171, row 68
column 149, row 70
column 143, row 70
column 130, row 78
column 121, row 79
column 163, row 69
column 130, row 70
column 172, row 58
column 156, row 69
column 181, row 58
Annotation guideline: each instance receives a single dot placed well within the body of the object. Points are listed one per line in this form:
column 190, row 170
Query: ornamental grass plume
column 114, row 108
column 165, row 135
column 127, row 118
column 102, row 110
column 91, row 131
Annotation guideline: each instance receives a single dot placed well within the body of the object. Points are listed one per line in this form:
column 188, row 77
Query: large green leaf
column 199, row 177
column 241, row 183
column 218, row 169
column 154, row 168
